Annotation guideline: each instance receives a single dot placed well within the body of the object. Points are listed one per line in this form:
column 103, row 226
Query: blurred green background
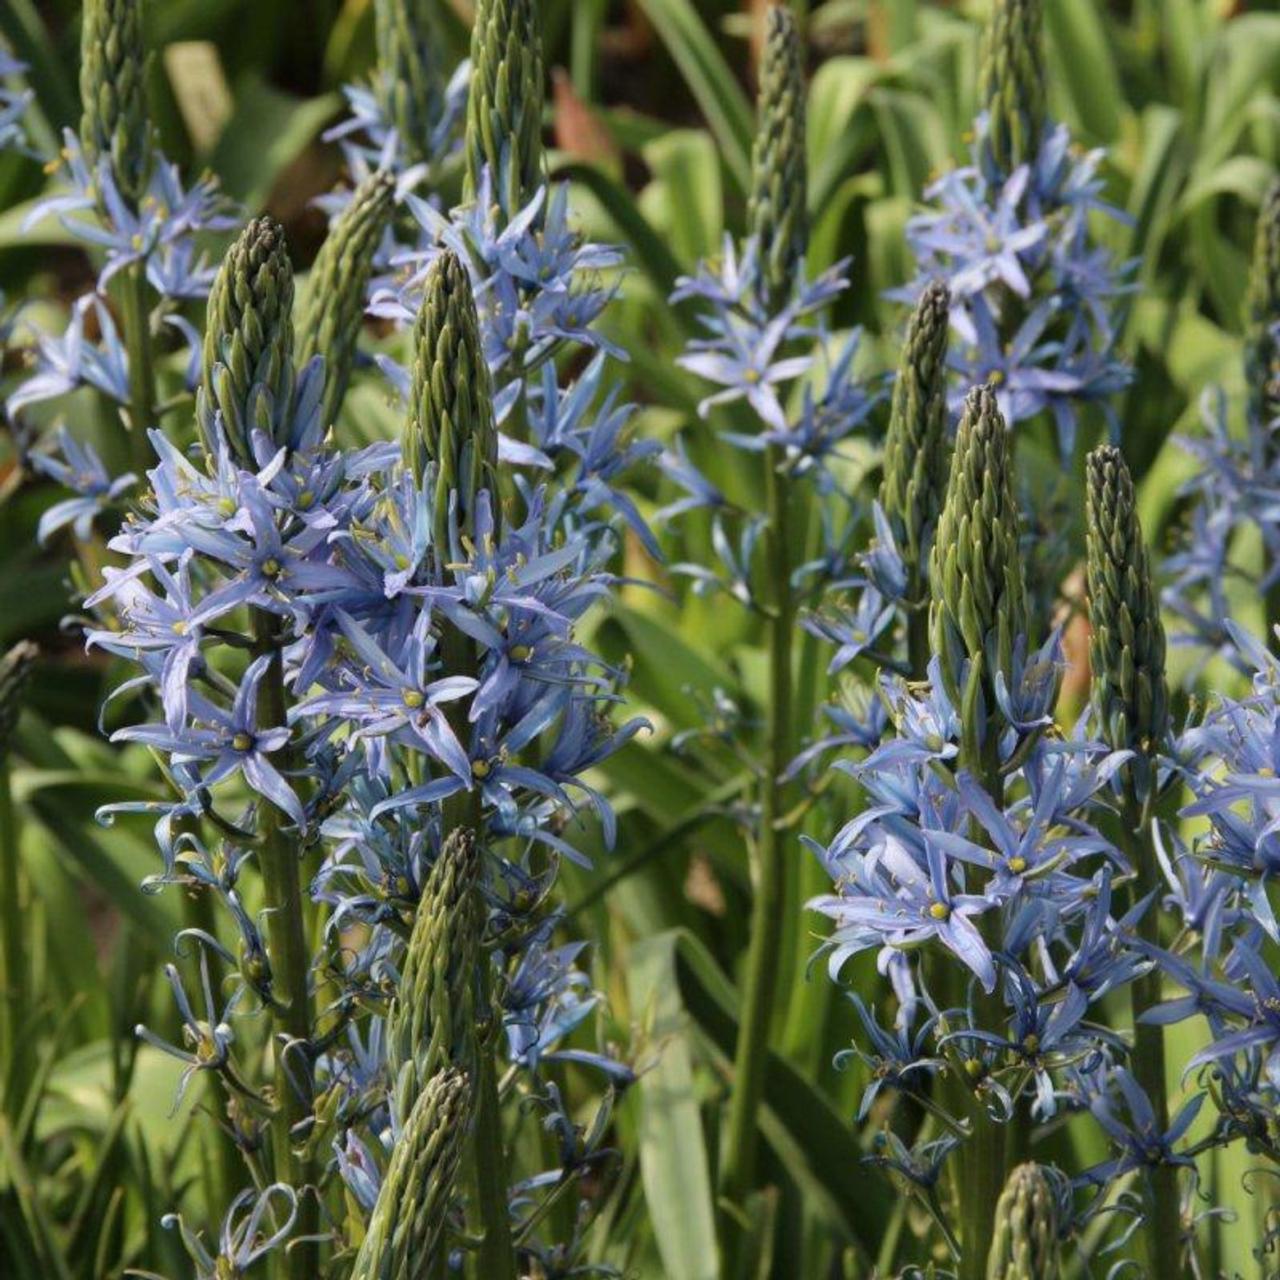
column 650, row 118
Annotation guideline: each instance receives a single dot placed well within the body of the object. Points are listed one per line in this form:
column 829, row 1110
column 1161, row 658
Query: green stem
column 142, row 381
column 495, row 1258
column 290, row 967
column 919, row 646
column 1163, row 1229
column 769, row 904
column 983, row 1159
column 13, row 1028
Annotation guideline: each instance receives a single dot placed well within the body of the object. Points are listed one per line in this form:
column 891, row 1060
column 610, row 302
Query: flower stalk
column 1127, row 657
column 450, row 446
column 915, row 457
column 777, row 219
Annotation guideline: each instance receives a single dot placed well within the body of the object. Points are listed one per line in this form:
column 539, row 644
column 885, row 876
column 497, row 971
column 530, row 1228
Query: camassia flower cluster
column 1034, row 293
column 370, row 704
column 998, row 871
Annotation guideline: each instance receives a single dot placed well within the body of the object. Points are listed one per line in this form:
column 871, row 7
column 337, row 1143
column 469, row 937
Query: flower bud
column 777, row 215
column 1012, row 84
column 431, row 1021
column 1024, row 1234
column 332, row 311
column 1127, row 643
column 450, row 426
column 1262, row 338
column 978, row 597
column 113, row 106
column 409, row 81
column 407, row 1228
column 504, row 109
column 915, row 450
column 248, row 341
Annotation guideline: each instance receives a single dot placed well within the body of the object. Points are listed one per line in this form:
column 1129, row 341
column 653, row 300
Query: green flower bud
column 1024, row 1235
column 1127, row 645
column 409, row 81
column 915, row 449
column 1012, row 83
column 332, row 311
column 978, row 604
column 15, row 668
column 431, row 1021
column 451, row 425
column 113, row 105
column 406, row 1236
column 504, row 108
column 1262, row 342
column 248, row 341
column 777, row 217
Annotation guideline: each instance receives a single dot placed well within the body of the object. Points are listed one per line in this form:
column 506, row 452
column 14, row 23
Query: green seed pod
column 777, row 217
column 248, row 341
column 915, row 449
column 1024, row 1235
column 333, row 308
column 409, row 81
column 113, row 105
column 15, row 668
column 1127, row 644
column 1012, row 83
column 431, row 1021
column 1262, row 342
column 406, row 1236
column 978, row 604
column 504, row 109
column 450, row 424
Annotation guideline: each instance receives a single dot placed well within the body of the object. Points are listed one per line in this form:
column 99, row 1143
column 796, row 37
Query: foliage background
column 651, row 119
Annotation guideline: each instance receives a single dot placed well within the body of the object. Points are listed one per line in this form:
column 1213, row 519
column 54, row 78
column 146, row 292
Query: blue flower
column 1141, row 1144
column 230, row 741
column 79, row 469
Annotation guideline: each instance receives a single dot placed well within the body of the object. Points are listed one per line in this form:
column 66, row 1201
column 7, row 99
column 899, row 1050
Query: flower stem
column 13, row 1029
column 1163, row 1228
column 495, row 1258
column 769, row 903
column 983, row 1158
column 290, row 969
column 142, row 382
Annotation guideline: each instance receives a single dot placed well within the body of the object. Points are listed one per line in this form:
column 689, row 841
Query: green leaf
column 1080, row 58
column 266, row 134
column 709, row 79
column 813, row 1140
column 673, row 1155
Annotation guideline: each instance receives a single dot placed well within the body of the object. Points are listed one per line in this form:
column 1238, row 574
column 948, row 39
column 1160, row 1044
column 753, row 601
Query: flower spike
column 410, row 85
column 979, row 605
column 1127, row 644
column 407, row 1229
column 915, row 451
column 777, row 218
column 431, row 1021
column 333, row 309
column 1024, row 1233
column 113, row 118
column 451, row 424
column 504, row 111
column 1012, row 84
column 249, row 338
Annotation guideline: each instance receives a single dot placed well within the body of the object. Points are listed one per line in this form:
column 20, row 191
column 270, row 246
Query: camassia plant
column 382, row 712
